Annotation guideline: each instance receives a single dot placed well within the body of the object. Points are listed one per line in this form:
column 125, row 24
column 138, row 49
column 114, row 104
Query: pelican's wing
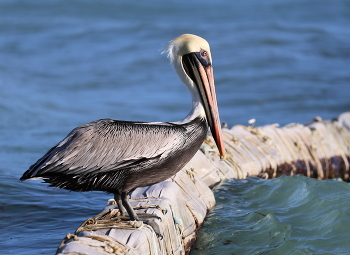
column 107, row 145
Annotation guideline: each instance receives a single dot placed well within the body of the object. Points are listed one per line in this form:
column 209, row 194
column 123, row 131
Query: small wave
column 287, row 215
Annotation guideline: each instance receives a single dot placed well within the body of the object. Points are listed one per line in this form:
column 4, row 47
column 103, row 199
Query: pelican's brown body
column 119, row 156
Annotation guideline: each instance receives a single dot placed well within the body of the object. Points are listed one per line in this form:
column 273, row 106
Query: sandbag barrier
column 318, row 149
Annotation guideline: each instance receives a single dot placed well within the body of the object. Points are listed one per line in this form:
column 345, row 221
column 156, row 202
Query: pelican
column 119, row 156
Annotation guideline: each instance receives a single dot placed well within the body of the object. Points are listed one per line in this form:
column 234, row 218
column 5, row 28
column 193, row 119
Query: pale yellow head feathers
column 185, row 44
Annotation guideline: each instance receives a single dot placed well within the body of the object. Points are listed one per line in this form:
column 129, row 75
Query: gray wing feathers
column 108, row 145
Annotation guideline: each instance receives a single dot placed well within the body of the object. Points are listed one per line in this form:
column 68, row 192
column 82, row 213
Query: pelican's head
column 191, row 58
column 186, row 45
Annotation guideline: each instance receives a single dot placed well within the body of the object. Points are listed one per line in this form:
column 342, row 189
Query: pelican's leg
column 128, row 207
column 134, row 216
column 118, row 199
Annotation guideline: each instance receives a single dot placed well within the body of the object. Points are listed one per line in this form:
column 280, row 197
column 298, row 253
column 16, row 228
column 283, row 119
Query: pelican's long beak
column 201, row 73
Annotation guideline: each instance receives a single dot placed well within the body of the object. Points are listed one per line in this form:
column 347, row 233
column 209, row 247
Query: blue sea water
column 287, row 215
column 66, row 63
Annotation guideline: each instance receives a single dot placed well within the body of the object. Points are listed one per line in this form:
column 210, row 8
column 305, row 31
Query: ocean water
column 66, row 63
column 287, row 215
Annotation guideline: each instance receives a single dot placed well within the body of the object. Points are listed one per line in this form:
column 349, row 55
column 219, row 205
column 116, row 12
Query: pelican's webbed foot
column 147, row 218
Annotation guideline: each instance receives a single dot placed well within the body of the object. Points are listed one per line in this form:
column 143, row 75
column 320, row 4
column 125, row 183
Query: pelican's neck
column 197, row 105
column 197, row 111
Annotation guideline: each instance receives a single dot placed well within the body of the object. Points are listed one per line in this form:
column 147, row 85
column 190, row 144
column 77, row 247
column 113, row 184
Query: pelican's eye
column 203, row 57
column 204, row 53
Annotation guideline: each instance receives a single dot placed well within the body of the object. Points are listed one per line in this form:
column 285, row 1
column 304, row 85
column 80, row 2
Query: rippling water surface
column 288, row 215
column 66, row 63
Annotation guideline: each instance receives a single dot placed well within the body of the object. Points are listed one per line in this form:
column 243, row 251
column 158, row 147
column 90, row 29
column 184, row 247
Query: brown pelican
column 119, row 156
